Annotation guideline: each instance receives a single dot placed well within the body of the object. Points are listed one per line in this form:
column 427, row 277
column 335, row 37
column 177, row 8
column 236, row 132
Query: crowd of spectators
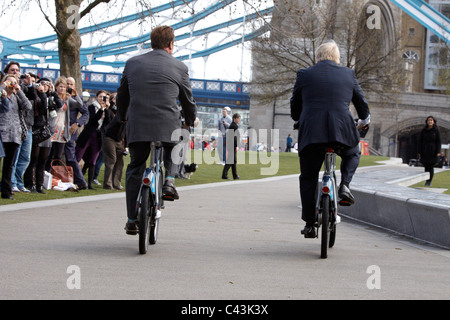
column 84, row 135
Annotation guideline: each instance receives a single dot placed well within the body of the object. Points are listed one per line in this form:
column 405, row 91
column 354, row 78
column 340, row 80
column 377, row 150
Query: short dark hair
column 161, row 37
column 5, row 70
column 100, row 92
column 236, row 116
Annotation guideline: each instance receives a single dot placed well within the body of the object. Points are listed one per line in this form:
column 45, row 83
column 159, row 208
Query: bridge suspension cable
column 31, row 54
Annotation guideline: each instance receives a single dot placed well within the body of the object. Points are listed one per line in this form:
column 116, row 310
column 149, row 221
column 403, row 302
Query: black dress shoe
column 236, row 178
column 131, row 228
column 40, row 190
column 226, row 178
column 309, row 232
column 345, row 195
column 82, row 187
column 7, row 196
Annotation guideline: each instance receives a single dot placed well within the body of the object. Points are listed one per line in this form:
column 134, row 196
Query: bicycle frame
column 328, row 186
column 152, row 175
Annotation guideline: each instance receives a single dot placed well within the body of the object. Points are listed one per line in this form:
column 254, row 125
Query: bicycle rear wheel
column 144, row 220
column 325, row 226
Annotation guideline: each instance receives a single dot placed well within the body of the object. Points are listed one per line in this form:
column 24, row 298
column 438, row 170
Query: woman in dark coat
column 429, row 147
column 89, row 142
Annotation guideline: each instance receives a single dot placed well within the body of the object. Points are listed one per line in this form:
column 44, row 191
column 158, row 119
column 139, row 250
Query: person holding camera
column 4, row 107
column 12, row 129
column 78, row 116
column 113, row 148
column 58, row 106
column 23, row 153
column 34, row 175
column 89, row 142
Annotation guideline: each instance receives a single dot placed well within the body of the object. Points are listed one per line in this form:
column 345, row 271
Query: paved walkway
column 392, row 178
column 231, row 240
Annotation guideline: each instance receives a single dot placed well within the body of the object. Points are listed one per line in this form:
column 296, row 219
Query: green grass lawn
column 253, row 167
column 440, row 180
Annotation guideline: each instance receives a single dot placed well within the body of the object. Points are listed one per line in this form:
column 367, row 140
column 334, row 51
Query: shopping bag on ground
column 47, row 180
column 61, row 171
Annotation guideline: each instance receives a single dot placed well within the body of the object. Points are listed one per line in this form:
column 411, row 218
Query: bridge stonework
column 395, row 126
column 397, row 121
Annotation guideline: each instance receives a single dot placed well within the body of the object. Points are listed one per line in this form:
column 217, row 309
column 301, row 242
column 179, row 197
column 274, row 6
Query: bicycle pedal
column 168, row 198
column 344, row 203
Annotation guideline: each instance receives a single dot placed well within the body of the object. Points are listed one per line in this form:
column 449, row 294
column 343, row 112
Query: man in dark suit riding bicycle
column 320, row 104
column 147, row 100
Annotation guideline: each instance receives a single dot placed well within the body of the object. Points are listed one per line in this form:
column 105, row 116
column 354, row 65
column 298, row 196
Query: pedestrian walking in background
column 232, row 149
column 289, row 143
column 429, row 147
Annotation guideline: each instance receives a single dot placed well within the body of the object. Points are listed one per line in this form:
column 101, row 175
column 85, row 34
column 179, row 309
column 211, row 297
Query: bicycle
column 326, row 204
column 327, row 199
column 150, row 200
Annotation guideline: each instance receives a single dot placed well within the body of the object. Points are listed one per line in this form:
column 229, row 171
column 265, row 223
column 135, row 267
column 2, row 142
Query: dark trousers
column 11, row 149
column 429, row 167
column 34, row 175
column 231, row 163
column 71, row 160
column 139, row 153
column 56, row 152
column 311, row 160
column 113, row 158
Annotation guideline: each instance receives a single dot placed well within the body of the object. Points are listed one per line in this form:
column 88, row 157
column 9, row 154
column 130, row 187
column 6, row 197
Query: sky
column 233, row 64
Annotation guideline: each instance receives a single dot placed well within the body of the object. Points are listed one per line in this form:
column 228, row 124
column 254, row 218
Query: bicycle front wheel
column 325, row 226
column 332, row 236
column 154, row 224
column 144, row 220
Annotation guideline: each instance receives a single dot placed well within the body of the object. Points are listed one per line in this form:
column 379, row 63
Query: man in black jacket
column 232, row 148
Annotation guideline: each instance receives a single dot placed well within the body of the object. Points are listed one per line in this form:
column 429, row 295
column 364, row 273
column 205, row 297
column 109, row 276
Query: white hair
column 328, row 51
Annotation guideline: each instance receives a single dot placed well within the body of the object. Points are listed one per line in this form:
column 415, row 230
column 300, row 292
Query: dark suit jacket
column 236, row 139
column 147, row 97
column 320, row 102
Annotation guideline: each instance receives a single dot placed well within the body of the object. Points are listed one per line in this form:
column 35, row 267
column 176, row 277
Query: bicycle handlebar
column 362, row 128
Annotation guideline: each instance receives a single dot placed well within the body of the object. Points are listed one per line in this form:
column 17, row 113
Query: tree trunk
column 69, row 41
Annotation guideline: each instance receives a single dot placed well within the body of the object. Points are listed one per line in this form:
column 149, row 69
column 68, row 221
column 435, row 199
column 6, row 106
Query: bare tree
column 300, row 27
column 63, row 16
